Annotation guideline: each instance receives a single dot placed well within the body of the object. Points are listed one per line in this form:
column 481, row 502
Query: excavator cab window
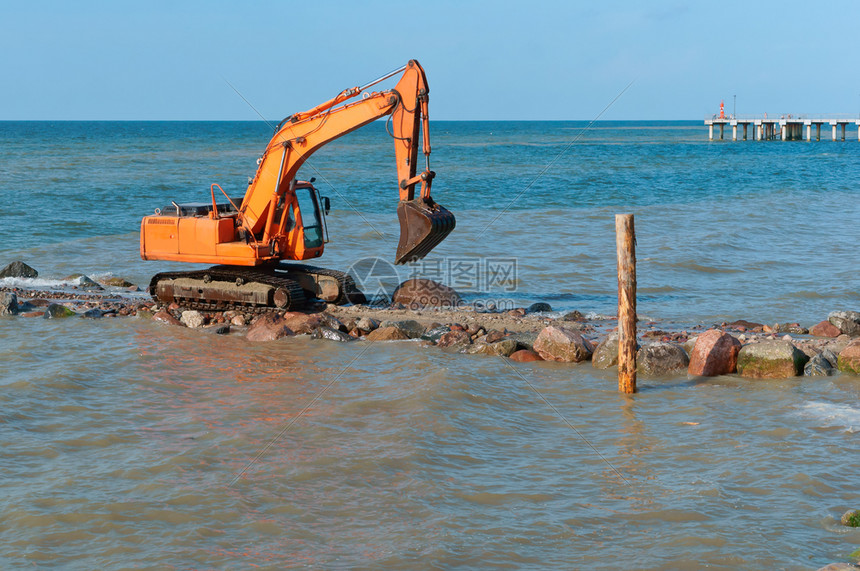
column 311, row 219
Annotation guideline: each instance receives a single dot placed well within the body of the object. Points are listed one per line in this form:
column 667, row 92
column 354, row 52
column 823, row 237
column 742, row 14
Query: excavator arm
column 423, row 223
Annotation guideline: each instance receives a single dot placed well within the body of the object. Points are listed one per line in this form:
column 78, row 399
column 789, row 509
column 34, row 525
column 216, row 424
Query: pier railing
column 787, row 116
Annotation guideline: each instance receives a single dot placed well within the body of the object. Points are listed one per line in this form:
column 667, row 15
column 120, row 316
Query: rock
column 8, row 303
column 539, row 307
column 303, row 323
column 143, row 313
column 387, row 334
column 744, row 325
column 222, row 329
column 849, row 358
column 32, row 314
column 525, row 356
column 115, row 282
column 268, row 328
column 776, row 359
column 606, row 353
column 524, row 339
column 825, row 329
column 410, row 327
column 55, row 311
column 18, row 270
column 495, row 335
column 517, row 312
column 690, row 343
column 164, row 316
column 838, row 567
column 324, row 332
column 433, row 334
column 821, row 365
column 573, row 316
column 715, row 353
column 86, row 283
column 94, row 313
column 238, row 320
column 848, row 322
column 192, row 319
column 455, row 338
column 661, row 359
column 367, row 324
column 851, row 518
column 420, row 292
column 560, row 344
column 334, row 323
column 503, row 348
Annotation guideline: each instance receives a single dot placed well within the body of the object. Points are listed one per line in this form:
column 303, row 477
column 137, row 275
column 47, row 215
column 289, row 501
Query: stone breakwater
column 750, row 350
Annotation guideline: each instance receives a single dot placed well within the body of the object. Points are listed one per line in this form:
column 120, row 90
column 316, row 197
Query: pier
column 781, row 128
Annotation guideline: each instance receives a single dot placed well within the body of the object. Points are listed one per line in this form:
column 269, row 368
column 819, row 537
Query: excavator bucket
column 423, row 224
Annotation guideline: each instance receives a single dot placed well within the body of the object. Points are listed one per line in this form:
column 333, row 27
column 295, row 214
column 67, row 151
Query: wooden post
column 625, row 245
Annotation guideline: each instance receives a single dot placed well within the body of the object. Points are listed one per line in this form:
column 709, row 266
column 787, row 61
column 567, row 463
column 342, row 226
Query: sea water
column 125, row 443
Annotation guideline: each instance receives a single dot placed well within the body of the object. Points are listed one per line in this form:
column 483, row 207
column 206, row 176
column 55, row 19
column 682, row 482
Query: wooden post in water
column 625, row 245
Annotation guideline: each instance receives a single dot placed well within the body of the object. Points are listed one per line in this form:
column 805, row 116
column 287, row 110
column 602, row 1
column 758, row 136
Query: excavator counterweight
column 282, row 219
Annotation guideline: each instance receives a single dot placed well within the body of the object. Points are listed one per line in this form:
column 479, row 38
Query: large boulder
column 503, row 348
column 303, row 323
column 715, row 353
column 8, row 303
column 18, row 270
column 268, row 328
column 825, row 329
column 661, row 359
column 434, row 334
column 777, row 359
column 539, row 307
column 606, row 353
column 420, row 292
column 456, row 339
column 192, row 318
column 57, row 311
column 367, row 323
column 165, row 316
column 821, row 364
column 410, row 327
column 325, row 332
column 848, row 322
column 849, row 358
column 387, row 334
column 560, row 344
column 112, row 281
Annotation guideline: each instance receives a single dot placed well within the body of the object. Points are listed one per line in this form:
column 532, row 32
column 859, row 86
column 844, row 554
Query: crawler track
column 280, row 288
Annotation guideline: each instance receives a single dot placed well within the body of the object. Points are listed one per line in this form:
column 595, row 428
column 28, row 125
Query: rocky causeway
column 535, row 333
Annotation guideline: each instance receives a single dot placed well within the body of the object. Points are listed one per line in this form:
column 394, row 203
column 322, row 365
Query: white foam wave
column 833, row 415
column 36, row 283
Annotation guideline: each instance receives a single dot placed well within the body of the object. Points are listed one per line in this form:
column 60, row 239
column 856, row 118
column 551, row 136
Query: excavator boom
column 423, row 223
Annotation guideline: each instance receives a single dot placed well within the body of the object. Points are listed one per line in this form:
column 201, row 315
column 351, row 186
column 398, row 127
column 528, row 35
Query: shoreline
column 521, row 334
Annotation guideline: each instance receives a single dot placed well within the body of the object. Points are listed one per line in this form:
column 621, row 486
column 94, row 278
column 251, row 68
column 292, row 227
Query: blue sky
column 484, row 60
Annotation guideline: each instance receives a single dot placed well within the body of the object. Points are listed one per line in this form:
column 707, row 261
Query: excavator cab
column 313, row 219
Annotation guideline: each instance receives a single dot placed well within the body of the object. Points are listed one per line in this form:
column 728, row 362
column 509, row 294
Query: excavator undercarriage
column 282, row 287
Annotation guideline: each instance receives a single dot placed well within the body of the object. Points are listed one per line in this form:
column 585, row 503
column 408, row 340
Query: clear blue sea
column 119, row 438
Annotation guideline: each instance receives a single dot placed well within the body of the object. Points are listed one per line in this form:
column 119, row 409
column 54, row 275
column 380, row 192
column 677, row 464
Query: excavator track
column 346, row 291
column 283, row 287
column 224, row 288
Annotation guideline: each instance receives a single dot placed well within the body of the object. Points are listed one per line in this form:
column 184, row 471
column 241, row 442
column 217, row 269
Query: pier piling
column 625, row 246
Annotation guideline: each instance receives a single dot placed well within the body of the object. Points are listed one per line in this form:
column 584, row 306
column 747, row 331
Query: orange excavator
column 282, row 219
